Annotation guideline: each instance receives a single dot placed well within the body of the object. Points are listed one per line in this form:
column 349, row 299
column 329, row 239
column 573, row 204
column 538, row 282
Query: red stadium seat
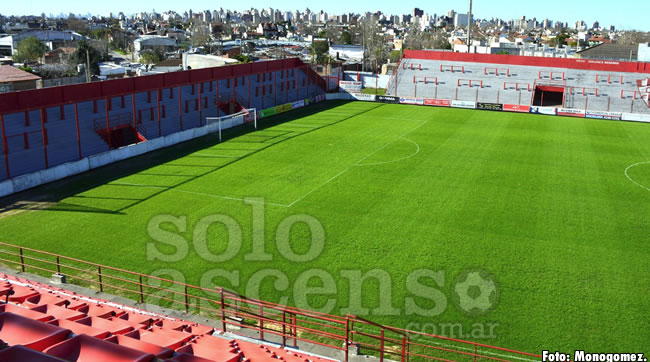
column 215, row 342
column 80, row 328
column 21, row 353
column 205, row 351
column 52, row 298
column 59, row 312
column 98, row 310
column 137, row 318
column 185, row 357
column 112, row 326
column 159, row 352
column 21, row 293
column 31, row 314
column 170, row 324
column 199, row 329
column 255, row 352
column 85, row 348
column 19, row 330
column 164, row 338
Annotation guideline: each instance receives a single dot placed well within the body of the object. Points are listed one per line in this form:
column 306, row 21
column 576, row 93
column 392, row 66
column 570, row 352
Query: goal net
column 218, row 124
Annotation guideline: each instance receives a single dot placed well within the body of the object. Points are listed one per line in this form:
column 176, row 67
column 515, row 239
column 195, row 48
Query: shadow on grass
column 49, row 197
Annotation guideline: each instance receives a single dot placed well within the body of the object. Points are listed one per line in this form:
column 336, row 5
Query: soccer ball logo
column 475, row 292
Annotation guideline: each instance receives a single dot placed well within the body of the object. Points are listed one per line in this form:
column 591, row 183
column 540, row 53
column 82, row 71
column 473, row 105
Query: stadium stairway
column 39, row 322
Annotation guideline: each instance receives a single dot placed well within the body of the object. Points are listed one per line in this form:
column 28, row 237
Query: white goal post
column 217, row 124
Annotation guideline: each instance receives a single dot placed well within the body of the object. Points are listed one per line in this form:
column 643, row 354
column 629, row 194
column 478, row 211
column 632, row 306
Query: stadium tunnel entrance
column 548, row 96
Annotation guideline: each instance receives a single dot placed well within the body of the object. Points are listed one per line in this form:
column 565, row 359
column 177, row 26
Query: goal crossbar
column 217, row 124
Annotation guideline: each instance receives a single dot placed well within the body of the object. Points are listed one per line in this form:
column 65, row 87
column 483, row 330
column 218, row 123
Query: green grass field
column 542, row 203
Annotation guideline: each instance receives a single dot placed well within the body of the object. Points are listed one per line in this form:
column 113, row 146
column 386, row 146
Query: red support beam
column 158, row 108
column 216, row 97
column 180, row 111
column 108, row 124
column 44, row 135
column 201, row 104
column 5, row 147
column 76, row 121
column 275, row 98
column 135, row 121
column 249, row 91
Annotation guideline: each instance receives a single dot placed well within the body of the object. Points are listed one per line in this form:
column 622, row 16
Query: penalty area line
column 231, row 198
column 358, row 162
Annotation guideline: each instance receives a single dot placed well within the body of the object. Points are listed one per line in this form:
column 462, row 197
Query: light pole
column 469, row 28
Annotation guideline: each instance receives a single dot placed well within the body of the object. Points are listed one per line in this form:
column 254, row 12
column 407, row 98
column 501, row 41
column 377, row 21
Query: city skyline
column 570, row 12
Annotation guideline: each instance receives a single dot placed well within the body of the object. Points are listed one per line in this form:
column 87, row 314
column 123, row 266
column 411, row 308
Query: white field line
column 632, row 180
column 169, row 188
column 209, row 155
column 357, row 163
column 393, row 161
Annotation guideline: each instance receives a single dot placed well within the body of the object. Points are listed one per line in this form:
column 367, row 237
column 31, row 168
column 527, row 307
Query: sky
column 625, row 14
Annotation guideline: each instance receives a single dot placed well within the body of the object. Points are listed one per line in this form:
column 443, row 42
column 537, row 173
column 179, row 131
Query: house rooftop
column 10, row 74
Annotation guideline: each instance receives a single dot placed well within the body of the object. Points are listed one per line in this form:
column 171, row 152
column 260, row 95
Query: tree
column 374, row 44
column 29, row 50
column 346, row 38
column 77, row 25
column 243, row 58
column 149, row 57
column 395, row 56
column 633, row 38
column 95, row 56
column 201, row 36
column 320, row 49
column 560, row 40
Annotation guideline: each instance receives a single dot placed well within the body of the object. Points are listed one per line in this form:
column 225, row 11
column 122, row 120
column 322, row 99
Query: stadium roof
column 610, row 51
column 10, row 74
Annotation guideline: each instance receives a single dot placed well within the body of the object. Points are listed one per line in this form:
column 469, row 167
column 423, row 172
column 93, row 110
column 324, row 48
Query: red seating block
column 31, row 314
column 80, row 328
column 16, row 329
column 21, row 293
column 137, row 318
column 85, row 348
column 199, row 329
column 98, row 310
column 112, row 326
column 170, row 324
column 58, row 312
column 51, row 298
column 208, row 352
column 255, row 352
column 185, row 357
column 215, row 342
column 21, row 353
column 161, row 337
column 158, row 351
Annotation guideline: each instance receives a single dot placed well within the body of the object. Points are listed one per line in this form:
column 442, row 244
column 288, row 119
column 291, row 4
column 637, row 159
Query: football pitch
column 552, row 211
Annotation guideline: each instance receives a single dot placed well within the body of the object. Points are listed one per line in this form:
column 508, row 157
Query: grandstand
column 44, row 128
column 583, row 85
column 361, row 167
column 40, row 321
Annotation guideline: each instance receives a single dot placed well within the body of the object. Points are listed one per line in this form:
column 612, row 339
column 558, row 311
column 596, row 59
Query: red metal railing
column 238, row 314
